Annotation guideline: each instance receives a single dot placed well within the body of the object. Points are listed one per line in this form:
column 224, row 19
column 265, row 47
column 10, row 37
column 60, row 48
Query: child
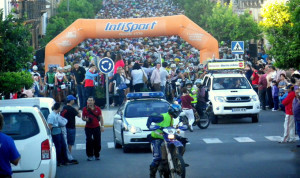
column 275, row 92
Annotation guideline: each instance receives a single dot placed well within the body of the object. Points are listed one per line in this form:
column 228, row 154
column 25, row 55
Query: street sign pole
column 107, row 94
column 106, row 65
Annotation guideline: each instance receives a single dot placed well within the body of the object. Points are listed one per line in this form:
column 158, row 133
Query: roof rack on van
column 32, row 102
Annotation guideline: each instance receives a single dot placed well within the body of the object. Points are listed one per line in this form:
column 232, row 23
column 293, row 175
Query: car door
column 118, row 123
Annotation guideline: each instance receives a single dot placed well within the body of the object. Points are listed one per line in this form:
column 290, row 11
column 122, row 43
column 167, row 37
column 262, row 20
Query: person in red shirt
column 289, row 122
column 255, row 79
column 186, row 103
column 92, row 115
column 262, row 88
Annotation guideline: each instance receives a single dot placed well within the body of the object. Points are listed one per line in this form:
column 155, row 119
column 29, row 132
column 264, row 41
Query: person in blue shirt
column 8, row 152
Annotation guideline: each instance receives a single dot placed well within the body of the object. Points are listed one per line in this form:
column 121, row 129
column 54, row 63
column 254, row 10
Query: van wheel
column 214, row 118
column 255, row 118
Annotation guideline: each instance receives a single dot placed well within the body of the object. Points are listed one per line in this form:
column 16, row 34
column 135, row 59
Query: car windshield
column 20, row 125
column 226, row 83
column 145, row 108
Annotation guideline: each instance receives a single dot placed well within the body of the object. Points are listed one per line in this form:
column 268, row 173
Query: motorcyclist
column 201, row 97
column 156, row 137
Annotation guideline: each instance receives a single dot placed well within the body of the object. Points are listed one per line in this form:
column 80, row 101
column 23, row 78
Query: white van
column 29, row 129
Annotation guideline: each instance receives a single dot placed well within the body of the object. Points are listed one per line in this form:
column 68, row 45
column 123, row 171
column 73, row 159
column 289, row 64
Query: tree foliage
column 220, row 20
column 77, row 9
column 12, row 82
column 281, row 24
column 15, row 49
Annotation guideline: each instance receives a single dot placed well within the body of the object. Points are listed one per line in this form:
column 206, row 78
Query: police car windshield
column 227, row 83
column 145, row 108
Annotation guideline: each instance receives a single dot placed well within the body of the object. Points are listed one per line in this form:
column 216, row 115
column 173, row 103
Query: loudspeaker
column 253, row 50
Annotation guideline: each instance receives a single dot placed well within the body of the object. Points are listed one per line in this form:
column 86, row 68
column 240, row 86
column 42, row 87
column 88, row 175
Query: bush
column 12, row 82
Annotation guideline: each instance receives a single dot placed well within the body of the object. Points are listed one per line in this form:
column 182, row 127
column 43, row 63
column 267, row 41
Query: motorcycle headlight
column 255, row 98
column 171, row 136
column 133, row 129
column 219, row 99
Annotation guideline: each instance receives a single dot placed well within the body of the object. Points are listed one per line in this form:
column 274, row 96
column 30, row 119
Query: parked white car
column 29, row 129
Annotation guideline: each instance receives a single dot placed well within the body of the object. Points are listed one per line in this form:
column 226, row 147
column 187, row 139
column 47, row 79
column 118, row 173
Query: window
column 227, row 83
column 20, row 125
column 45, row 112
column 145, row 108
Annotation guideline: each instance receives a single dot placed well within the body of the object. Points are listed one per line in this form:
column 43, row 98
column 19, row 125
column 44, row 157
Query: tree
column 15, row 53
column 281, row 24
column 220, row 20
column 15, row 49
column 225, row 25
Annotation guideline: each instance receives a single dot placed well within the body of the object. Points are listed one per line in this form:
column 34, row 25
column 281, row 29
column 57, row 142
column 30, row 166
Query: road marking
column 80, row 146
column 274, row 138
column 110, row 144
column 243, row 139
column 212, row 140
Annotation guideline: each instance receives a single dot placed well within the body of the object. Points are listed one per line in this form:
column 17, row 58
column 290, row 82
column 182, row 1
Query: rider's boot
column 153, row 170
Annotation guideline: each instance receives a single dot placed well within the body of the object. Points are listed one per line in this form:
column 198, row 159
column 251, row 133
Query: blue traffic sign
column 106, row 65
column 237, row 47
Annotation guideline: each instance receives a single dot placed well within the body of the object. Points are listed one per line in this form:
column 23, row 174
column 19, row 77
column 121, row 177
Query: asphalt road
column 233, row 148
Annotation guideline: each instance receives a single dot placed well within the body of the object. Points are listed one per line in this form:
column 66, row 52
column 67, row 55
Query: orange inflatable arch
column 82, row 29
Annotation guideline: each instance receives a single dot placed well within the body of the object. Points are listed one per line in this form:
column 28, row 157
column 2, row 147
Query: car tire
column 125, row 147
column 255, row 118
column 214, row 118
column 117, row 145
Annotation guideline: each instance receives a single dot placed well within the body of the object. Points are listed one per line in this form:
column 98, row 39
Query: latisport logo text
column 130, row 27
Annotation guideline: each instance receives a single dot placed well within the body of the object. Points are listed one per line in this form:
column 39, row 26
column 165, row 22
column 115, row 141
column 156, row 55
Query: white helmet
column 35, row 67
column 173, row 65
column 59, row 68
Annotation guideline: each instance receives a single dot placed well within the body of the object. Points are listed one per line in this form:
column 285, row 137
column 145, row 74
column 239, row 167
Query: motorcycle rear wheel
column 179, row 166
column 204, row 121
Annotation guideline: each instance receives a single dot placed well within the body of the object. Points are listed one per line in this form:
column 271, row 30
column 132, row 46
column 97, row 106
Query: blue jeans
column 71, row 133
column 156, row 144
column 121, row 96
column 276, row 102
column 61, row 150
column 298, row 127
column 163, row 89
column 80, row 92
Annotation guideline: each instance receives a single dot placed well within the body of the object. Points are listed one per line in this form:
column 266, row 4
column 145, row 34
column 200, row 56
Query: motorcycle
column 202, row 122
column 173, row 149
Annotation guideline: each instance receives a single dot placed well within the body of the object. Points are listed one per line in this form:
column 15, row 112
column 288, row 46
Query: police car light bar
column 140, row 95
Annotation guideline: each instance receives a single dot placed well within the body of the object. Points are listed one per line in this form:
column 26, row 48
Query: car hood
column 233, row 92
column 140, row 122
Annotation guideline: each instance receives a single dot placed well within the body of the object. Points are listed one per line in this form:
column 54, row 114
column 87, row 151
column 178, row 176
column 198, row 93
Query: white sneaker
column 274, row 109
column 91, row 158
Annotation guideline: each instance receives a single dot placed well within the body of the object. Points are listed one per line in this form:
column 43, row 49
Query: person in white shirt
column 137, row 77
column 155, row 78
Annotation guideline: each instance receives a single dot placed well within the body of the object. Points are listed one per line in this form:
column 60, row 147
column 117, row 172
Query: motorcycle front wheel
column 179, row 166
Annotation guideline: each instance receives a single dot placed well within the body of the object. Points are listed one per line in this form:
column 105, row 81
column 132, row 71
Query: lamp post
column 68, row 6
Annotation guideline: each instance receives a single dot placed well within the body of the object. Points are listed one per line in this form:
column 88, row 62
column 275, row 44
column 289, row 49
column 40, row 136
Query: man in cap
column 69, row 112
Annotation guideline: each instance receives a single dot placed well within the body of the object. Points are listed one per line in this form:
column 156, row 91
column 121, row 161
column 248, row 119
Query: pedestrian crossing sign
column 237, row 47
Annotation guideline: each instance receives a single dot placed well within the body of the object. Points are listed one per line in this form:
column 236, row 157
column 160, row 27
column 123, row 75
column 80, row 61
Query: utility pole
column 5, row 9
column 68, row 6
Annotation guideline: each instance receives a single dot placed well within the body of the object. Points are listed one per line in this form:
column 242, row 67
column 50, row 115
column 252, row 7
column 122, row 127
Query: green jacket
column 194, row 96
column 168, row 121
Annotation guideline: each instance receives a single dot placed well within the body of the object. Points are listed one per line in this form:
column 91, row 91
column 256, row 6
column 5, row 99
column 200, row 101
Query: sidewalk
column 108, row 117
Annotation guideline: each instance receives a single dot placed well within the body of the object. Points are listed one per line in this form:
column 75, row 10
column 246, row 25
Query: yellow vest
column 168, row 121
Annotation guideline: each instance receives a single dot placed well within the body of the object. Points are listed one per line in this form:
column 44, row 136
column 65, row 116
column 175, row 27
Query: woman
column 118, row 62
column 120, row 81
column 186, row 103
column 60, row 77
column 137, row 77
column 57, row 136
column 282, row 83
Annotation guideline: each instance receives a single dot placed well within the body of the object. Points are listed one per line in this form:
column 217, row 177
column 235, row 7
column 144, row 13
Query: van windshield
column 226, row 83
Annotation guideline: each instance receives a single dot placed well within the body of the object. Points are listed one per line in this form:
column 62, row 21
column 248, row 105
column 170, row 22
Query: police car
column 229, row 91
column 129, row 127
